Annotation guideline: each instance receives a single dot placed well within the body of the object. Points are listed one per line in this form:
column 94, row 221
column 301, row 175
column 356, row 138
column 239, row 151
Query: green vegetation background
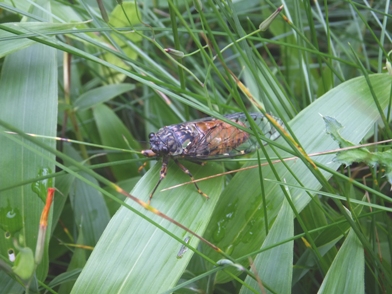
column 102, row 78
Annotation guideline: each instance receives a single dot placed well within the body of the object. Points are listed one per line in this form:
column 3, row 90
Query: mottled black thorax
column 173, row 140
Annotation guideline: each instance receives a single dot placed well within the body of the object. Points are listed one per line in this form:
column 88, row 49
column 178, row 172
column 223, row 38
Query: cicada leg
column 163, row 172
column 142, row 167
column 202, row 163
column 185, row 170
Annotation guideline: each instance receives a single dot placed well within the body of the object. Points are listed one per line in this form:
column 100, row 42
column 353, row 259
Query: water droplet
column 255, row 222
column 228, row 214
column 10, row 219
column 11, row 214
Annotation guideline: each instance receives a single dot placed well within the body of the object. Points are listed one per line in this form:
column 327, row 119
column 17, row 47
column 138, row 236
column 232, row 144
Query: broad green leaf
column 28, row 101
column 134, row 256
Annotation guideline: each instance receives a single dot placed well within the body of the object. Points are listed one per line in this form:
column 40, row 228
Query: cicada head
column 164, row 142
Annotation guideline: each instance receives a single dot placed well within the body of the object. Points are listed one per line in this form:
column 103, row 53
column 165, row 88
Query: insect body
column 205, row 139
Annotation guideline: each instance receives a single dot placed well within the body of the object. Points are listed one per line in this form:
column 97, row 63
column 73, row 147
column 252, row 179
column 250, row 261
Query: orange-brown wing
column 216, row 139
column 211, row 138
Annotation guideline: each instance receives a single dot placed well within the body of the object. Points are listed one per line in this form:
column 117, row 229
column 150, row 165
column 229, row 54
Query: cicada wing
column 218, row 139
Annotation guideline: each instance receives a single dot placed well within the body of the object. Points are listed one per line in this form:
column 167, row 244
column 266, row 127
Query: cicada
column 207, row 138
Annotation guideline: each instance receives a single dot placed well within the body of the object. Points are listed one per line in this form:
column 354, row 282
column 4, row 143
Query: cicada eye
column 164, row 150
column 151, row 135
